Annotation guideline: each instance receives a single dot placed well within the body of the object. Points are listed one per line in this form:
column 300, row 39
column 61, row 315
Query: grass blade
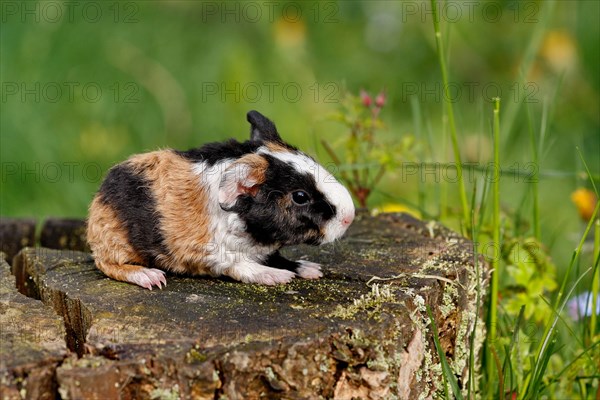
column 595, row 279
column 596, row 253
column 547, row 345
column 534, row 183
column 447, row 373
column 527, row 63
column 575, row 255
column 499, row 370
column 515, row 336
column 573, row 361
column 450, row 110
column 495, row 263
column 587, row 169
column 474, row 235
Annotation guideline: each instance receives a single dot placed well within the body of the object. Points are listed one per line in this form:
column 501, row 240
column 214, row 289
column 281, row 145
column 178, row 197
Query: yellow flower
column 585, row 201
column 290, row 34
column 559, row 50
column 395, row 208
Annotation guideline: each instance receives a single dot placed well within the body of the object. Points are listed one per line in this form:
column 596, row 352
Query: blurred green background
column 86, row 84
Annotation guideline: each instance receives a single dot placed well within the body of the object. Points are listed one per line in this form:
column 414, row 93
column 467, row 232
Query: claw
column 149, row 277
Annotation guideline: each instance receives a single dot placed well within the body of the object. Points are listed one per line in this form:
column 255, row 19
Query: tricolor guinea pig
column 220, row 209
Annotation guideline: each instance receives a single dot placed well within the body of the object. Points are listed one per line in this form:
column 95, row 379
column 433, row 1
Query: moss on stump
column 362, row 331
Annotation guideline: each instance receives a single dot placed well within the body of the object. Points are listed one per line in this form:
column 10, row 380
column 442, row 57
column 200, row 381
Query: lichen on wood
column 361, row 331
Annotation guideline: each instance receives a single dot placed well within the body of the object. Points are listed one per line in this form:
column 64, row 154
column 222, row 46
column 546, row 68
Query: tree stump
column 32, row 343
column 362, row 331
column 16, row 233
column 64, row 233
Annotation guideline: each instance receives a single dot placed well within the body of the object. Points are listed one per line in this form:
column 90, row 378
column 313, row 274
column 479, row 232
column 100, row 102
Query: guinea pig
column 221, row 209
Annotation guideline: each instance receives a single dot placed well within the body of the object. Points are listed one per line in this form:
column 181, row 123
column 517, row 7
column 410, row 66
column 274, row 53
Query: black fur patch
column 272, row 218
column 130, row 197
column 262, row 128
column 276, row 260
column 262, row 131
column 212, row 153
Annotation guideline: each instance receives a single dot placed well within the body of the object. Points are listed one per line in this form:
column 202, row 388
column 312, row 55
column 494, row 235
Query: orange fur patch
column 109, row 242
column 181, row 204
column 276, row 147
column 258, row 167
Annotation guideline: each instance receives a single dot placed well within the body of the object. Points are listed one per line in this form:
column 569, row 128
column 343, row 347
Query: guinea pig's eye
column 300, row 197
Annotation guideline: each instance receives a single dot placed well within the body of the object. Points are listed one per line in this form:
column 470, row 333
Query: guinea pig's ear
column 242, row 177
column 262, row 129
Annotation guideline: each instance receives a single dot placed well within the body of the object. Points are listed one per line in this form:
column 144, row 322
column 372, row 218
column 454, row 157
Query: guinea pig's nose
column 348, row 218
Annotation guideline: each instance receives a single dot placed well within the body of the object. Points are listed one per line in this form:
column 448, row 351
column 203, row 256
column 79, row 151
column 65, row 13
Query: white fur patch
column 233, row 252
column 335, row 193
column 210, row 176
column 250, row 272
column 309, row 270
column 233, row 178
column 231, row 246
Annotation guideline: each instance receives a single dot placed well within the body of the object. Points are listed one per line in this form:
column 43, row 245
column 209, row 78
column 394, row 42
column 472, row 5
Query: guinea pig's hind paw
column 148, row 277
column 309, row 270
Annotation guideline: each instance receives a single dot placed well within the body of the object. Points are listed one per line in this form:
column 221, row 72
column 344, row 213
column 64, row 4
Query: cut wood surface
column 362, row 331
column 32, row 343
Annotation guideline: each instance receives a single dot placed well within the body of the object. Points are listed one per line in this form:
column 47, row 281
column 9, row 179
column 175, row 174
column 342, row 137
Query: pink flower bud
column 380, row 99
column 365, row 98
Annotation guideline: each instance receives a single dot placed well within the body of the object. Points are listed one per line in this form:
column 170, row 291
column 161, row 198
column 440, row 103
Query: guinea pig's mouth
column 335, row 229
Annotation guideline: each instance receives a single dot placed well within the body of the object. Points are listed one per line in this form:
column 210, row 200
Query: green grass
column 539, row 377
column 439, row 41
column 595, row 289
column 495, row 263
column 447, row 374
column 543, row 55
column 535, row 209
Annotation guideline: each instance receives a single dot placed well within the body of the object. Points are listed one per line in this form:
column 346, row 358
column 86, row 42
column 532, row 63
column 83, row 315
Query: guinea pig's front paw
column 250, row 272
column 309, row 270
column 275, row 277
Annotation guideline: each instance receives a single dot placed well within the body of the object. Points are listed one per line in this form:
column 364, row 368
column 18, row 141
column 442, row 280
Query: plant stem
column 495, row 263
column 447, row 373
column 356, row 154
column 587, row 170
column 335, row 159
column 499, row 369
column 353, row 186
column 544, row 353
column 416, row 116
column 575, row 255
column 534, row 180
column 595, row 280
column 596, row 252
column 444, row 185
column 546, row 10
column 378, row 177
column 474, row 234
column 450, row 110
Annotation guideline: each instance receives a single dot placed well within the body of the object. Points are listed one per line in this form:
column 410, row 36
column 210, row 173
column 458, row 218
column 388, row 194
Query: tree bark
column 362, row 331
